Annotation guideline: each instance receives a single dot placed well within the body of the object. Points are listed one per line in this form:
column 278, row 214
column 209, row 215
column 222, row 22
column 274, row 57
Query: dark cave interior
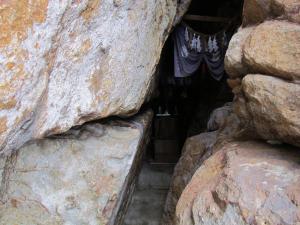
column 182, row 105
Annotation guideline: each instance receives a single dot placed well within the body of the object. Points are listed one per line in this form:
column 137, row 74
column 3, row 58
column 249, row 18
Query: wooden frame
column 206, row 18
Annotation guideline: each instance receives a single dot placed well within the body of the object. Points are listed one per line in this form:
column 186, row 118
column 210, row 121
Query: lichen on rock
column 63, row 63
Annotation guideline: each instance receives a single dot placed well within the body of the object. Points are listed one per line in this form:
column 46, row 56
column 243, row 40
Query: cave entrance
column 185, row 96
column 189, row 91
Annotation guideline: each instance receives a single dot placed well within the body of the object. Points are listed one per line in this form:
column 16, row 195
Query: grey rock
column 84, row 177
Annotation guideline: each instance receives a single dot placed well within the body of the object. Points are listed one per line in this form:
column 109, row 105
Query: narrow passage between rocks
column 191, row 83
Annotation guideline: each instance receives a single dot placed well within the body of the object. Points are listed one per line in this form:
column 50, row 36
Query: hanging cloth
column 191, row 49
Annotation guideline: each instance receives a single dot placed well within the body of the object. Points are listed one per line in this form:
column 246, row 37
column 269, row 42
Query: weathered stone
column 272, row 106
column 270, row 48
column 287, row 9
column 85, row 176
column 63, row 63
column 244, row 183
column 218, row 117
column 196, row 149
column 233, row 59
column 273, row 48
column 257, row 11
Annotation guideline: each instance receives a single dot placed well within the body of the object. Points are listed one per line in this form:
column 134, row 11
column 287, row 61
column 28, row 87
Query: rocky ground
column 148, row 200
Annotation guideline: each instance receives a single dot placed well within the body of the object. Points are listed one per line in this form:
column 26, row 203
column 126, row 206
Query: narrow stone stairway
column 148, row 200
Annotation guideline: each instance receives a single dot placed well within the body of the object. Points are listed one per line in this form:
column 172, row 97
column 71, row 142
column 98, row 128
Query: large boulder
column 257, row 11
column 224, row 125
column 244, row 183
column 271, row 106
column 273, row 48
column 287, row 9
column 85, row 176
column 234, row 55
column 196, row 149
column 63, row 62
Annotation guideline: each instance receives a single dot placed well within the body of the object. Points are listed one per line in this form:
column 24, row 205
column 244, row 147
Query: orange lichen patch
column 3, row 126
column 10, row 86
column 105, row 185
column 72, row 35
column 16, row 16
column 11, row 103
column 95, row 83
column 37, row 45
column 20, row 74
column 96, row 80
column 14, row 82
column 10, row 65
column 14, row 203
column 86, row 46
column 82, row 51
column 89, row 11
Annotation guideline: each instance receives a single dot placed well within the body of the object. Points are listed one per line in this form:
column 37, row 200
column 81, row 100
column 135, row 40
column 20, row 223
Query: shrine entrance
column 191, row 84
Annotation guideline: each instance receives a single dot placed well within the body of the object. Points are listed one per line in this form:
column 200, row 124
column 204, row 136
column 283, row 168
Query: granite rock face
column 273, row 48
column 195, row 151
column 233, row 61
column 85, row 176
column 244, row 183
column 257, row 11
column 272, row 106
column 63, row 63
column 267, row 106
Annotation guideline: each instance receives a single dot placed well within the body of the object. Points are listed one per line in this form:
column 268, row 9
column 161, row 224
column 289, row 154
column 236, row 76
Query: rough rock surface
column 196, row 149
column 257, row 11
column 272, row 106
column 234, row 56
column 244, row 183
column 251, row 182
column 273, row 48
column 83, row 177
column 65, row 62
column 218, row 117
